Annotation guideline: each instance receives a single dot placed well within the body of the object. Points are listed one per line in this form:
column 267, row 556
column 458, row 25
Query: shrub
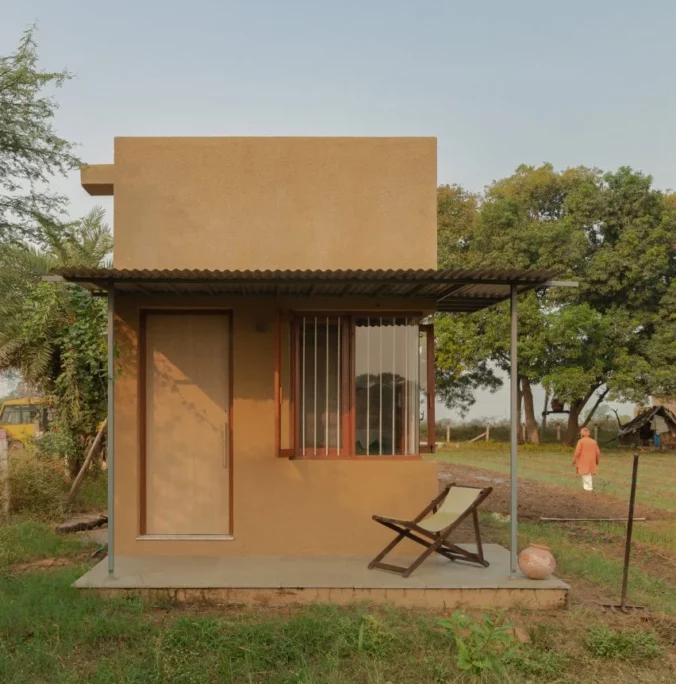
column 54, row 445
column 37, row 485
column 605, row 642
column 482, row 647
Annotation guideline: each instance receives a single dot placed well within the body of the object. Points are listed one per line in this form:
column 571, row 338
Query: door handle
column 226, row 446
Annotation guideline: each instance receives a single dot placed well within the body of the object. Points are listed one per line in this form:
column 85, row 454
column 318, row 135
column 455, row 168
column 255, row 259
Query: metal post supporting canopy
column 513, row 432
column 111, row 432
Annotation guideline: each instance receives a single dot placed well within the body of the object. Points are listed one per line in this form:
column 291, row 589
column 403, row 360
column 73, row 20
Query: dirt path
column 537, row 499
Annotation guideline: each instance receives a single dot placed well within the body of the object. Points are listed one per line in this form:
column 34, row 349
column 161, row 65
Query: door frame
column 142, row 422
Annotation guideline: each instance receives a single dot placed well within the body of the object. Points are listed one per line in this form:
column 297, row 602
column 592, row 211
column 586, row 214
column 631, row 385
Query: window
column 351, row 386
column 29, row 414
column 387, row 386
column 320, row 394
column 11, row 415
column 19, row 415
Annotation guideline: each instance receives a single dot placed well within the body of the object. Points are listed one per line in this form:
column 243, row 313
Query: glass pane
column 11, row 416
column 29, row 414
column 320, row 385
column 386, row 366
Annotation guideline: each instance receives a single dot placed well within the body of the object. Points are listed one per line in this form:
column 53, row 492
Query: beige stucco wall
column 268, row 203
column 286, row 507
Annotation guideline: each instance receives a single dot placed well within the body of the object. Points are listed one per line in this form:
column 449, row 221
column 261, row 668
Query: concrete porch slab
column 277, row 580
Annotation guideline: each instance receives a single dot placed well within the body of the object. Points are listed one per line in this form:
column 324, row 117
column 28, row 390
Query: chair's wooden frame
column 435, row 542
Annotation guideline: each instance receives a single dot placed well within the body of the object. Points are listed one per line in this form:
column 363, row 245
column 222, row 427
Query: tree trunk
column 532, row 434
column 573, row 420
column 599, row 399
column 519, row 399
column 576, row 408
column 617, row 416
column 544, row 412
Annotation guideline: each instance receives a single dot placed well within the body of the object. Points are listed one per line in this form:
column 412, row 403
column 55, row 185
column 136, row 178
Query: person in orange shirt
column 586, row 458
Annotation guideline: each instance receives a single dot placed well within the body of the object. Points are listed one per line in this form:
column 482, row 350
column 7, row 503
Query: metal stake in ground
column 627, row 550
column 4, row 474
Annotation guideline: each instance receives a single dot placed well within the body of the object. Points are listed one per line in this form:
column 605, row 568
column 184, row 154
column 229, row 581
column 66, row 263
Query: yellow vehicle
column 19, row 418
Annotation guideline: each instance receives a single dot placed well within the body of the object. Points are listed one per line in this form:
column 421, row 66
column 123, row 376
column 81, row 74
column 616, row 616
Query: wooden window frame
column 348, row 389
column 430, row 447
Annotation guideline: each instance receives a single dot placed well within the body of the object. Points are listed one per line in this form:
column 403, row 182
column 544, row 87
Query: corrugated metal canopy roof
column 452, row 290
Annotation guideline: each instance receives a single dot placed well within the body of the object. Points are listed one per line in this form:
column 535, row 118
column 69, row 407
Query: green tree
column 614, row 336
column 30, row 150
column 457, row 224
column 473, row 351
column 53, row 334
column 463, row 359
column 661, row 349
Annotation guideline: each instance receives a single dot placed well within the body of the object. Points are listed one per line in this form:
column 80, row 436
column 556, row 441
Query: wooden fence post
column 4, row 473
column 448, row 433
column 558, row 432
column 596, row 432
column 488, row 431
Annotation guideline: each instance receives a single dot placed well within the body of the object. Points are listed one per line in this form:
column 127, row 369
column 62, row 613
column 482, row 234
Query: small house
column 274, row 366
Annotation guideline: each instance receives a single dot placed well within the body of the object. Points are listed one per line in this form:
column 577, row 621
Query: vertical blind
column 387, row 386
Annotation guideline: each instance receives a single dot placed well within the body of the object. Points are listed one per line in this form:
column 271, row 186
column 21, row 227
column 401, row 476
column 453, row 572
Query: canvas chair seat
column 457, row 501
column 434, row 526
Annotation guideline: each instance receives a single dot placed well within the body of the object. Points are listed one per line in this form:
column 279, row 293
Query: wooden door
column 187, row 448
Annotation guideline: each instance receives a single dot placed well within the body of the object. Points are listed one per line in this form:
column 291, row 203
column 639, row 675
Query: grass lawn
column 552, row 464
column 51, row 633
column 589, row 555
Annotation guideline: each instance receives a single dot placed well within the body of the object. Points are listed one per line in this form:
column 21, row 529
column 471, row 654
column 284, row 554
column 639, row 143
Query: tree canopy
column 614, row 336
column 31, row 152
column 53, row 334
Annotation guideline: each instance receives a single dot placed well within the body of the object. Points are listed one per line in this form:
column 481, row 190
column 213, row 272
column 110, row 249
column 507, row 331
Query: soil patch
column 653, row 561
column 544, row 500
column 42, row 564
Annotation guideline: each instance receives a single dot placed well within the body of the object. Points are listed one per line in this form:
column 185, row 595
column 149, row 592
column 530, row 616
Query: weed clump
column 605, row 642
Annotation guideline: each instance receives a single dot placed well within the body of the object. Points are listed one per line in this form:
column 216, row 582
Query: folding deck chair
column 447, row 511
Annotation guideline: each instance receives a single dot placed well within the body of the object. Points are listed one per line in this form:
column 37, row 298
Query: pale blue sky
column 499, row 83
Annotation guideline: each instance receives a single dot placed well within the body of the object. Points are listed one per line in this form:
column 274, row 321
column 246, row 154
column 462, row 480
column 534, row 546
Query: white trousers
column 587, row 483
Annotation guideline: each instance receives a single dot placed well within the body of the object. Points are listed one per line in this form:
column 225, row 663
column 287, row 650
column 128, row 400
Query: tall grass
column 39, row 487
column 49, row 632
column 28, row 540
